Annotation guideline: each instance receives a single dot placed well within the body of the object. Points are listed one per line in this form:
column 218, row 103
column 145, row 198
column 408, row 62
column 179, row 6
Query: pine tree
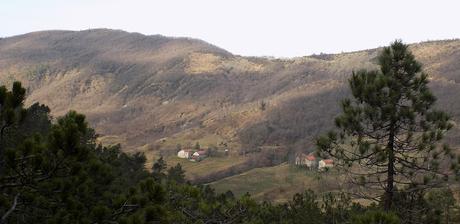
column 11, row 113
column 388, row 133
column 197, row 146
column 159, row 169
column 176, row 174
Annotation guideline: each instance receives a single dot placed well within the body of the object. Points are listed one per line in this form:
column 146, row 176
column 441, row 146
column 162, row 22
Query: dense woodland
column 53, row 171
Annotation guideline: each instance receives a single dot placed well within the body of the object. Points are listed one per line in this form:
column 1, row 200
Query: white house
column 325, row 163
column 185, row 154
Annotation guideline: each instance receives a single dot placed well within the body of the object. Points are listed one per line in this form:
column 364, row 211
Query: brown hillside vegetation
column 153, row 92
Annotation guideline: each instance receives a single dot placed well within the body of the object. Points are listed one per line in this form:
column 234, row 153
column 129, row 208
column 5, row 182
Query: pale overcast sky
column 283, row 28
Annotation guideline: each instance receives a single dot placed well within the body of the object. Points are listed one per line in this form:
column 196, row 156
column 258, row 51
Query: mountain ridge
column 151, row 93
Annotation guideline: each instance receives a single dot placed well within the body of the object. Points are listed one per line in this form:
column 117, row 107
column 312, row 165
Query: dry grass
column 139, row 87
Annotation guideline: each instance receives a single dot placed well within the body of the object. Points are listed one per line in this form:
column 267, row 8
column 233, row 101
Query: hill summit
column 154, row 92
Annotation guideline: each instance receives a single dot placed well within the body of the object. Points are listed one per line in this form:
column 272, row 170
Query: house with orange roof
column 198, row 156
column 308, row 160
column 325, row 164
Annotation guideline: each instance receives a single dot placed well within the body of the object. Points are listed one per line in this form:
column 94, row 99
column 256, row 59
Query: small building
column 198, row 156
column 310, row 161
column 299, row 159
column 325, row 164
column 305, row 160
column 185, row 154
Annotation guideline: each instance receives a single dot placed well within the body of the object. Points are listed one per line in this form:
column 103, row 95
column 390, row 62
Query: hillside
column 150, row 93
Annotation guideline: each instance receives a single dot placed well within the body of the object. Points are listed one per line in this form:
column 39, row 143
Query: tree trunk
column 390, row 172
column 447, row 215
column 2, row 153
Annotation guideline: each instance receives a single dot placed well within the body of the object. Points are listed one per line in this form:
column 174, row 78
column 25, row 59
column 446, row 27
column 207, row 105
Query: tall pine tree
column 11, row 113
column 388, row 133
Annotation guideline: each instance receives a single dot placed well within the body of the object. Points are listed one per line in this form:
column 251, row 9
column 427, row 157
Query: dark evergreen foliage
column 389, row 133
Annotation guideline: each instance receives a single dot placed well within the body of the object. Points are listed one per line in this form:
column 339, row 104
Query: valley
column 153, row 94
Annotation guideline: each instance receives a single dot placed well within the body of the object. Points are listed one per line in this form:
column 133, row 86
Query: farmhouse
column 185, row 153
column 325, row 163
column 198, row 156
column 305, row 160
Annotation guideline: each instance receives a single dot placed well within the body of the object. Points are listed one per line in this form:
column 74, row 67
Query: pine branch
column 11, row 210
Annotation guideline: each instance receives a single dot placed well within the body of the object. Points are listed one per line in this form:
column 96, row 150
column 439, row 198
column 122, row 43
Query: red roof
column 311, row 157
column 328, row 161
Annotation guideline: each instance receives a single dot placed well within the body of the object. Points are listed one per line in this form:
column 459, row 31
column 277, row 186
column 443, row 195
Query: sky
column 283, row 28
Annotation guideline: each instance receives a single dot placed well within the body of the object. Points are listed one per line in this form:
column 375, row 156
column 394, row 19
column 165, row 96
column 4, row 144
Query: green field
column 278, row 183
column 206, row 166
